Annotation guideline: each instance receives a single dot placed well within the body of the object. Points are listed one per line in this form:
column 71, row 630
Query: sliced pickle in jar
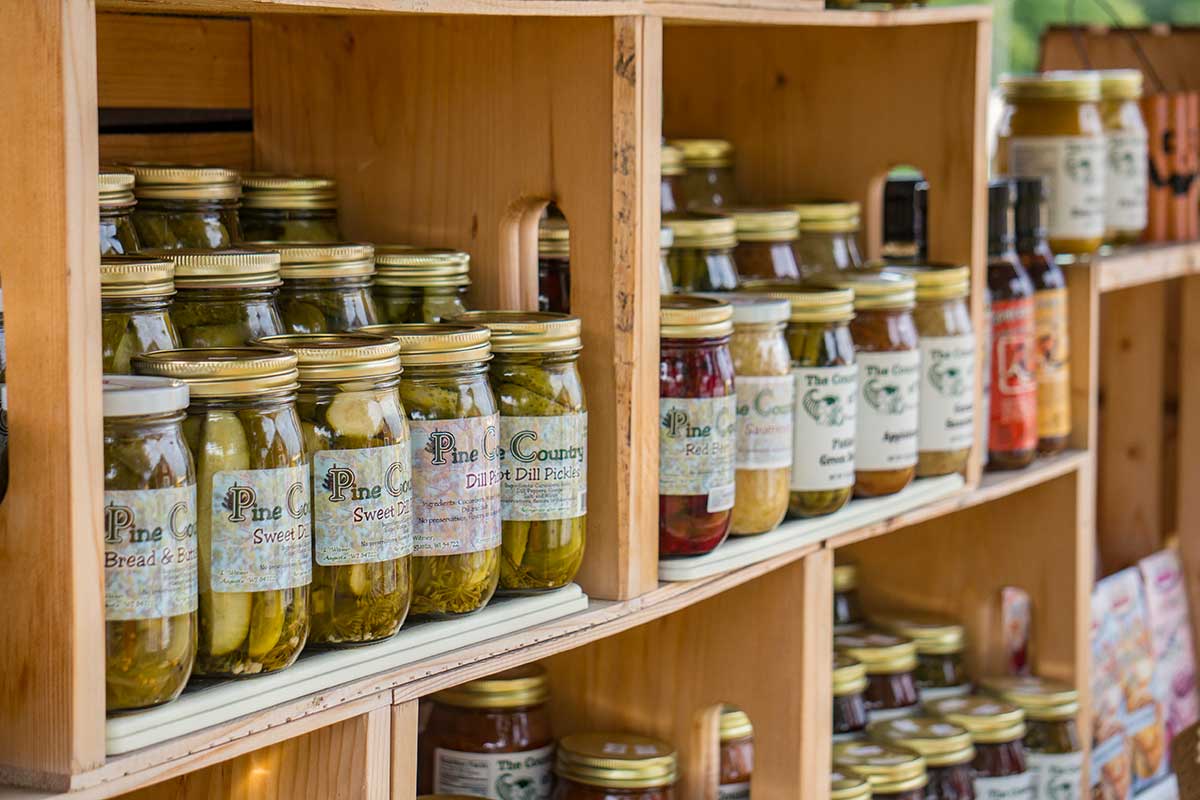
column 228, row 614
column 266, row 625
column 355, row 416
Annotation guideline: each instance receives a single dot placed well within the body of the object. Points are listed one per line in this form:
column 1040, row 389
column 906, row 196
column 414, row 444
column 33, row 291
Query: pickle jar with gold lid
column 326, row 287
column 225, row 298
column 946, row 748
column 828, row 239
column 135, row 295
column 891, row 663
column 1127, row 179
column 357, row 439
column 736, row 735
column 1053, row 750
column 848, row 613
column 894, row 772
column 940, row 644
column 766, row 239
column 845, row 785
column 554, row 265
column 672, row 197
column 605, row 766
column 849, row 704
column 701, row 256
column 186, row 207
column 489, row 737
column 420, row 284
column 997, row 729
column 117, row 234
column 252, row 481
column 708, row 181
column 454, row 422
column 289, row 208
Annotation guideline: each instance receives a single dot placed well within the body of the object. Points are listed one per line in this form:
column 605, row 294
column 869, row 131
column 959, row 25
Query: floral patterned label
column 734, row 791
column 149, row 553
column 1074, row 170
column 543, row 467
column 947, row 394
column 1127, row 182
column 765, row 407
column 362, row 505
column 261, row 536
column 1009, row 787
column 823, row 435
column 1056, row 777
column 696, row 439
column 886, row 433
column 499, row 776
column 456, row 485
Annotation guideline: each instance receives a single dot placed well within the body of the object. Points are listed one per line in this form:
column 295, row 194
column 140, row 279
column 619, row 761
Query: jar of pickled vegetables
column 1051, row 128
column 185, row 207
column 1126, row 180
column 766, row 239
column 326, row 287
column 135, row 293
column 554, row 265
column 253, row 504
column 672, row 197
column 490, row 737
column 940, row 644
column 996, row 728
column 149, row 542
column 701, row 256
column 356, row 435
column 455, row 426
column 666, row 238
column 225, row 298
column 737, row 755
column 828, row 237
column 946, row 748
column 891, row 663
column 849, row 703
column 697, row 413
column 894, row 772
column 1053, row 751
column 708, row 181
column 543, row 445
column 117, row 235
column 615, row 766
column 845, row 785
column 420, row 284
column 289, row 208
column 848, row 614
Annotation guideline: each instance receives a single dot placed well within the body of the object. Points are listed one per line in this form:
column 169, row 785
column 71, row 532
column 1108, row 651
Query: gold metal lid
column 734, row 724
column 845, row 785
column 288, row 192
column 849, row 675
column 184, row 182
column 694, row 317
column 437, row 344
column 224, row 371
column 616, row 760
column 890, row 769
column 527, row 331
column 704, row 152
column 988, row 720
column 1120, row 84
column 845, row 577
column 936, row 281
column 410, row 265
column 671, row 159
column 874, row 290
column 115, row 188
column 932, row 634
column 136, row 276
column 881, row 653
column 828, row 216
column 526, row 685
column 554, row 237
column 304, row 260
column 235, row 268
column 765, row 224
column 701, row 231
column 339, row 357
column 1040, row 698
column 753, row 309
column 1057, row 85
column 939, row 741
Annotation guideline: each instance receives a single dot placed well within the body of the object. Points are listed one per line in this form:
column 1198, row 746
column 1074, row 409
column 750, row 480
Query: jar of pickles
column 543, row 445
column 847, row 609
column 845, row 785
column 894, row 773
column 737, row 755
column 672, row 197
column 708, row 181
column 828, row 237
column 701, row 256
column 996, row 728
column 356, row 435
column 420, row 284
column 289, row 208
column 149, row 542
column 766, row 239
column 946, row 748
column 666, row 238
column 890, row 662
column 1053, row 751
column 455, row 425
column 326, row 287
column 135, row 293
column 117, row 235
column 849, row 703
column 554, row 265
column 606, row 766
column 940, row 644
column 253, row 504
column 185, row 207
column 697, row 413
column 1126, row 180
column 225, row 298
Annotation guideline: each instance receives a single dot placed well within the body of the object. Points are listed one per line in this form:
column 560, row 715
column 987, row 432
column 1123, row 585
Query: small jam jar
column 477, row 731
column 420, row 284
column 946, row 748
column 737, row 754
column 828, row 237
column 895, row 773
column 709, row 178
column 849, row 705
column 672, row 197
column 1053, row 752
column 701, row 256
column 997, row 728
column 289, row 208
column 1127, row 180
column 615, row 766
column 224, row 298
column 845, row 785
column 184, row 207
column 940, row 644
column 766, row 242
column 117, row 235
column 890, row 662
column 554, row 265
column 326, row 287
column 848, row 614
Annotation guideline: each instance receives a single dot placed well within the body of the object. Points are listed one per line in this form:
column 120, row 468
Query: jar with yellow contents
column 1127, row 180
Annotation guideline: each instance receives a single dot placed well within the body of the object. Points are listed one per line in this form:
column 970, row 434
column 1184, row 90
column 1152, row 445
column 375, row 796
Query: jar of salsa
column 554, row 265
column 890, row 662
column 946, row 748
column 420, row 284
column 849, row 704
column 766, row 239
column 615, row 766
column 845, row 785
column 666, row 238
column 289, row 208
column 940, row 644
column 895, row 773
column 996, row 728
column 828, row 237
column 326, row 287
column 224, row 298
column 672, row 197
column 1126, row 181
column 135, row 293
column 185, row 207
column 847, row 610
column 1053, row 751
column 697, row 425
column 709, row 178
column 490, row 737
column 737, row 755
column 117, row 235
column 701, row 257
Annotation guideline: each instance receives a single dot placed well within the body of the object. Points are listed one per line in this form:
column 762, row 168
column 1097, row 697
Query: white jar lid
column 143, row 395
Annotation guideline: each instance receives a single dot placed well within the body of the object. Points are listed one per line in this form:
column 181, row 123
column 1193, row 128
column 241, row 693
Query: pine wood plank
column 235, row 150
column 1187, row 509
column 1174, row 51
column 404, row 751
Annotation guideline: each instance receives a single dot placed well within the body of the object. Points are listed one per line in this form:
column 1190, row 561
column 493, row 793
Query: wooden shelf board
column 676, row 13
column 1142, row 264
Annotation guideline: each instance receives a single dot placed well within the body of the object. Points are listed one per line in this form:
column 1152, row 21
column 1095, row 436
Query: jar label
column 1009, row 787
column 1073, row 167
column 149, row 553
column 543, row 467
column 362, row 505
column 1053, row 362
column 1013, row 423
column 696, row 439
column 765, row 408
column 1127, row 183
column 734, row 791
column 947, row 394
column 500, row 776
column 456, row 485
column 260, row 529
column 823, row 434
column 886, row 431
column 1056, row 776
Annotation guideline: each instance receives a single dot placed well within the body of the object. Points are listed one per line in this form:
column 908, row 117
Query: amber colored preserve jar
column 849, row 704
column 1053, row 751
column 828, row 237
column 117, row 234
column 940, row 643
column 737, row 755
column 890, row 662
column 490, row 737
column 895, row 773
column 1127, row 178
column 946, row 748
column 766, row 242
column 701, row 256
column 847, row 610
column 996, row 728
column 615, row 766
column 709, row 178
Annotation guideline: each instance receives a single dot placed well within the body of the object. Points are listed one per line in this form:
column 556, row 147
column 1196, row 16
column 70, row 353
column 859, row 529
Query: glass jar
column 289, row 208
column 1126, row 179
column 543, row 446
column 848, row 613
column 554, row 265
column 697, row 413
column 225, row 298
column 149, row 543
column 326, row 287
column 946, row 748
column 940, row 642
column 737, row 755
column 135, row 294
column 420, row 284
column 490, row 737
column 849, row 703
column 708, row 182
column 905, row 200
column 701, row 256
column 672, row 197
column 828, row 240
column 1053, row 751
column 1012, row 405
column 666, row 238
column 996, row 728
column 895, row 773
column 185, row 207
column 117, row 235
column 455, row 427
column 890, row 662
column 845, row 785
column 614, row 766
column 766, row 241
column 252, row 483
column 1051, row 128
column 356, row 435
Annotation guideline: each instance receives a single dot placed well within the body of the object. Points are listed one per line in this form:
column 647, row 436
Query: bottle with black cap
column 904, row 200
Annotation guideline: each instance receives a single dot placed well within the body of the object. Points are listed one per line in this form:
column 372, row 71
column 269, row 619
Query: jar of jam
column 672, row 197
column 420, row 284
column 940, row 644
column 1053, row 751
column 135, row 293
column 849, row 704
column 554, row 265
column 666, row 238
column 615, row 766
column 904, row 206
column 766, row 239
column 326, row 287
column 848, row 614
column 737, row 755
column 1126, row 181
column 894, row 773
column 845, row 785
column 224, row 298
column 828, row 237
column 709, row 178
column 701, row 256
column 946, row 748
column 289, row 208
column 697, row 425
column 996, row 728
column 1051, row 128
column 490, row 737
column 890, row 662
column 117, row 234
column 183, row 207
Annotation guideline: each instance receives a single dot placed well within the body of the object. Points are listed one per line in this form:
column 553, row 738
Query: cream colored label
column 1056, row 777
column 696, row 439
column 1074, row 170
column 149, row 553
column 499, row 776
column 886, row 433
column 1127, row 183
column 362, row 505
column 734, row 791
column 823, row 433
column 1053, row 365
column 456, row 485
column 765, row 410
column 947, row 394
column 261, row 537
column 1010, row 787
column 543, row 467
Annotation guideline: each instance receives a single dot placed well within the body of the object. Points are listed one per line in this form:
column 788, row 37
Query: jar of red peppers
column 766, row 242
column 890, row 662
column 946, row 748
column 849, row 704
column 997, row 729
column 615, row 766
column 672, row 196
column 737, row 755
column 895, row 773
column 554, row 265
column 697, row 425
column 847, row 610
column 940, row 644
column 1053, row 751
